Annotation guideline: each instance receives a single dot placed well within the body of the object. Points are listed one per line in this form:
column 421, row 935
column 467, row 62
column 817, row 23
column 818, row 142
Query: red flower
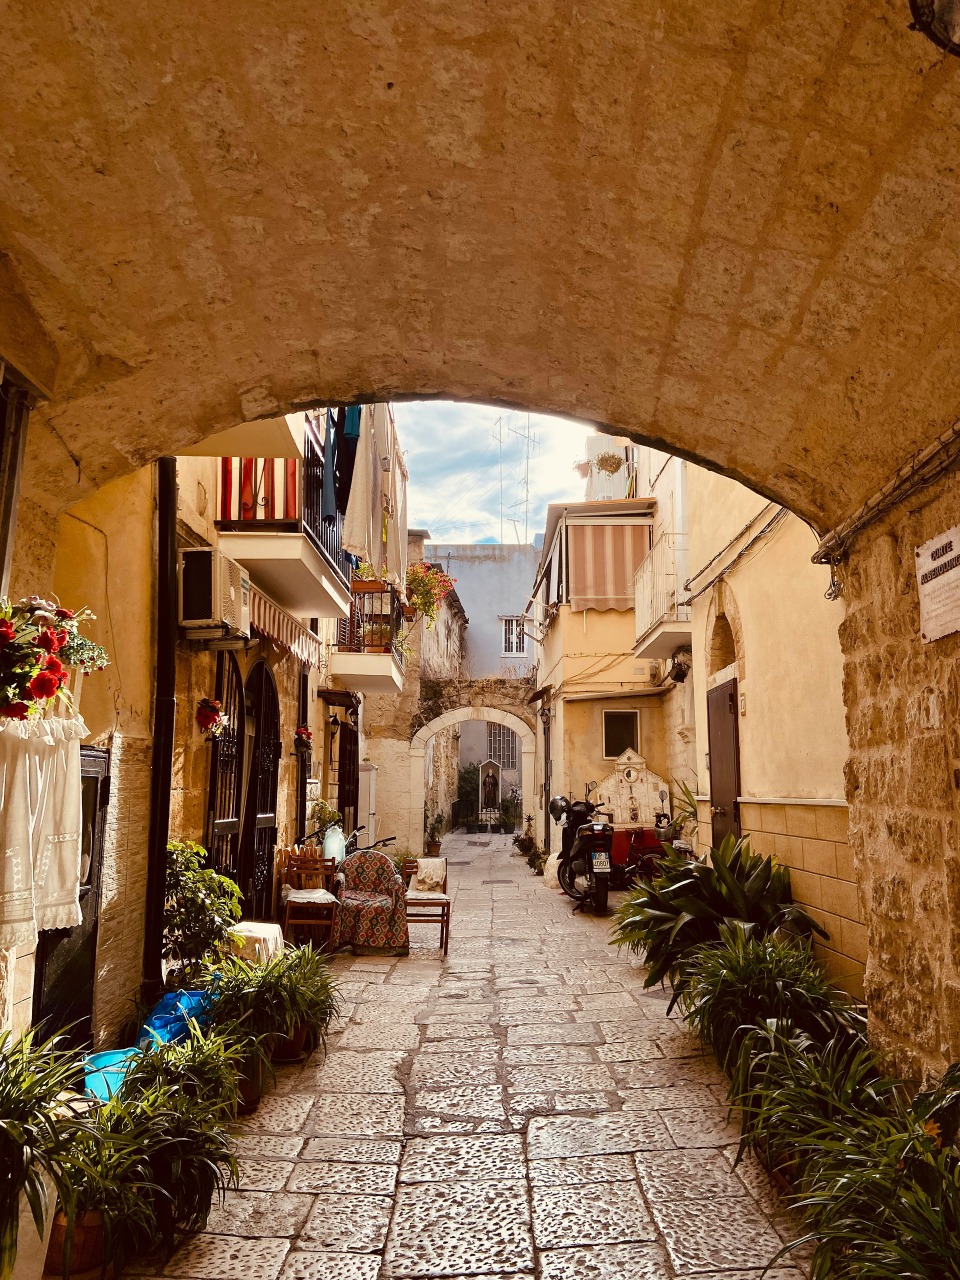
column 44, row 684
column 14, row 711
column 7, row 633
column 64, row 613
column 49, row 640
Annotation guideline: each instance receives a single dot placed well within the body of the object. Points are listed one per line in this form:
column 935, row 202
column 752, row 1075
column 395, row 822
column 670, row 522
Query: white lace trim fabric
column 40, row 824
column 431, row 874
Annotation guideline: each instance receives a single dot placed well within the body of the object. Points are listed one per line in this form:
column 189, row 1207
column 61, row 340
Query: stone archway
column 418, row 751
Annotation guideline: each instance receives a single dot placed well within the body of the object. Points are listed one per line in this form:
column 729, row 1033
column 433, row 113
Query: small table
column 257, row 940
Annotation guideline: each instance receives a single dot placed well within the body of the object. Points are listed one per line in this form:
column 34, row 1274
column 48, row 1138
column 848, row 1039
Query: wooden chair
column 309, row 904
column 427, row 906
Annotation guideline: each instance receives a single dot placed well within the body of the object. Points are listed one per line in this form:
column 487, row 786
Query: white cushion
column 420, row 896
column 289, row 894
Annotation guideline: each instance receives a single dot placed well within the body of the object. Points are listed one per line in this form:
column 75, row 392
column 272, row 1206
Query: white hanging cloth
column 40, row 827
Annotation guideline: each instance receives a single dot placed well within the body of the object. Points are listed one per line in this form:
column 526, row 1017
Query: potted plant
column 426, row 587
column 377, row 636
column 609, row 463
column 200, row 908
column 434, row 830
column 210, row 718
column 302, row 740
column 35, row 1080
column 306, row 986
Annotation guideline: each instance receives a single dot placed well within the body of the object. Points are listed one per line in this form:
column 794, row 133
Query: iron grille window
column 621, row 732
column 514, row 637
column 502, row 745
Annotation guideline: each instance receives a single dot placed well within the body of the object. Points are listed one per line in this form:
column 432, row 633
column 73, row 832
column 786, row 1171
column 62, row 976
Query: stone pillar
column 903, row 786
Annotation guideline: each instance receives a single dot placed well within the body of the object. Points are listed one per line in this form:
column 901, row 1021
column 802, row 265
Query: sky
column 453, row 459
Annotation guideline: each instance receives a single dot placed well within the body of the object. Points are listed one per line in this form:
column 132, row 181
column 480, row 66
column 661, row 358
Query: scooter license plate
column 601, row 860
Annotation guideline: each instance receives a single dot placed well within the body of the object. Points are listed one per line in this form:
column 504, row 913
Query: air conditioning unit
column 214, row 595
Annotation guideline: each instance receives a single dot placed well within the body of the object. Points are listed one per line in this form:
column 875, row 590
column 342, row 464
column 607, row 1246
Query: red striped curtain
column 604, row 559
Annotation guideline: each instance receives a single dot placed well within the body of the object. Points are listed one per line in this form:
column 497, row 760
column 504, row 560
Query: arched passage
column 418, row 751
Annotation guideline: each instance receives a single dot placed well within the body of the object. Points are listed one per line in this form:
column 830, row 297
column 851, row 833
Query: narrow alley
column 522, row 1108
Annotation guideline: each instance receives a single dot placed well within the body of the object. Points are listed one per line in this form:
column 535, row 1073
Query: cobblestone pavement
column 521, row 1109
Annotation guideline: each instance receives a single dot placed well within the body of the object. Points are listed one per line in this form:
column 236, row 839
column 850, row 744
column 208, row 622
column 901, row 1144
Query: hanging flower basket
column 426, row 587
column 40, row 643
column 210, row 718
column 608, row 463
column 302, row 740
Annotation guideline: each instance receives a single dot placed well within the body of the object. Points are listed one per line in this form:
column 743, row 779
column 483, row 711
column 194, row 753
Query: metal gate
column 258, row 833
column 348, row 775
column 226, row 771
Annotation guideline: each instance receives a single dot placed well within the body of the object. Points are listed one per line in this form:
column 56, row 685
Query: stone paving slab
column 520, row 1109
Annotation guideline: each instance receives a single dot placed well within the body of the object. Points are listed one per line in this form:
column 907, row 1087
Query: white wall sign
column 938, row 581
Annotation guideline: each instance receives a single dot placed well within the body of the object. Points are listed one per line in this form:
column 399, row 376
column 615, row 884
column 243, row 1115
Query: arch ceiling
column 730, row 228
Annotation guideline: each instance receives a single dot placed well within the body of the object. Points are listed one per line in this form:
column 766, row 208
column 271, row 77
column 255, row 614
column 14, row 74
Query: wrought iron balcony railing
column 660, row 596
column 375, row 624
column 282, row 495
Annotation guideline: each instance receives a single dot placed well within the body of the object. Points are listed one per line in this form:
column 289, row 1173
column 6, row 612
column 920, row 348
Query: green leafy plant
column 468, row 792
column 275, row 998
column 688, row 903
column 35, row 1079
column 435, row 827
column 200, row 908
column 426, row 587
column 742, row 980
column 525, row 842
column 322, row 817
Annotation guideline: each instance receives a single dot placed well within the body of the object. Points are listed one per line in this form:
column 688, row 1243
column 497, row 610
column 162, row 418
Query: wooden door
column 724, row 743
column 65, row 966
column 226, row 771
column 258, row 832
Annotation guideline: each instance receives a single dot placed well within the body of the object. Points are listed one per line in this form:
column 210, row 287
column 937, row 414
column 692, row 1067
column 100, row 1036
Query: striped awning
column 604, row 559
column 283, row 629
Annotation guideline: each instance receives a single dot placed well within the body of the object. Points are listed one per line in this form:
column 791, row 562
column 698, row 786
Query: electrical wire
column 723, row 550
column 771, row 524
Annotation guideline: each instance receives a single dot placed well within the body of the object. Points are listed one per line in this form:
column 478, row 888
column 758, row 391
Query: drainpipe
column 547, row 778
column 164, row 721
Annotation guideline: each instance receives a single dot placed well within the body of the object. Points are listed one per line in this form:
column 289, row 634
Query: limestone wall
column 903, row 785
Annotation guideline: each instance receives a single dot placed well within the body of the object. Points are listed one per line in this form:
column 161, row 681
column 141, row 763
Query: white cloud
column 454, row 463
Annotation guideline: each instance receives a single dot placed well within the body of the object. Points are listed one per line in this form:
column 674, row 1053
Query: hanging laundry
column 328, row 498
column 352, row 424
column 346, row 454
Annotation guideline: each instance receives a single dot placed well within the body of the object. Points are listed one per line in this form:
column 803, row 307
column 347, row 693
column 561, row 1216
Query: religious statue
column 490, row 797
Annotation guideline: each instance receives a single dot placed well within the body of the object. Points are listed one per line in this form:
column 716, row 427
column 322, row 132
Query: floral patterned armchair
column 372, row 918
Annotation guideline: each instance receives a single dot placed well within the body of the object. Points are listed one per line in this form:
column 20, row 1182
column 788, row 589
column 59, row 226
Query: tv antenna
column 531, row 444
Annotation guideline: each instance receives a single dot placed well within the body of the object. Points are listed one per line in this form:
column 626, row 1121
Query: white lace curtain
column 40, row 822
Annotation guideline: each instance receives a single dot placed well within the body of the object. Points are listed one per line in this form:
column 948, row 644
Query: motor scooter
column 586, row 845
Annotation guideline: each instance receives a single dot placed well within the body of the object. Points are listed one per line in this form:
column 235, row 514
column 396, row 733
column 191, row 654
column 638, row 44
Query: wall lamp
column 545, row 717
column 939, row 21
column 334, row 725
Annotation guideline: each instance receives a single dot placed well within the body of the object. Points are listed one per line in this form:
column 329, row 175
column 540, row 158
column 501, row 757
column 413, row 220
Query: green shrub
column 688, row 903
column 200, row 908
column 745, row 979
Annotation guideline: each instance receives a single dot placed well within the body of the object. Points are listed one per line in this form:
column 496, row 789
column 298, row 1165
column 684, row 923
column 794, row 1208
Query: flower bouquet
column 302, row 739
column 39, row 643
column 210, row 718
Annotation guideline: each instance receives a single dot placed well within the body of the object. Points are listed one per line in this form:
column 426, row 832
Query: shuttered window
column 514, row 637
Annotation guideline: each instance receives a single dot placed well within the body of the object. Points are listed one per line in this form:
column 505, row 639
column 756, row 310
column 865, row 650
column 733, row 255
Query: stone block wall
column 903, row 785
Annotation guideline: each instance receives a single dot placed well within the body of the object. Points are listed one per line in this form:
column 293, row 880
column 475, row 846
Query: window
column 621, row 732
column 514, row 637
column 502, row 745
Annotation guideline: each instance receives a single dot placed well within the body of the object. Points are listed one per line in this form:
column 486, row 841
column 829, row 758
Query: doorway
column 258, row 827
column 66, row 959
column 724, row 746
column 224, row 805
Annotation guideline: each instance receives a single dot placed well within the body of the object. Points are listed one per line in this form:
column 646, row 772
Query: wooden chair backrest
column 409, row 872
column 309, row 870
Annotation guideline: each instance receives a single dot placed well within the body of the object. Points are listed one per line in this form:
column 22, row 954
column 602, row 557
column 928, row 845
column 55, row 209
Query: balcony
column 662, row 613
column 369, row 657
column 270, row 522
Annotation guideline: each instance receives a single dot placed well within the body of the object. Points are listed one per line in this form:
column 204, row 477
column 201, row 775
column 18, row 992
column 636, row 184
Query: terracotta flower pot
column 433, row 848
column 290, row 1048
column 251, row 1087
column 88, row 1249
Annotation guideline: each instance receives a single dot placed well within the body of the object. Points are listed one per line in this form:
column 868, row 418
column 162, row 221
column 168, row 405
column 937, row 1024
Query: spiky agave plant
column 688, row 904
